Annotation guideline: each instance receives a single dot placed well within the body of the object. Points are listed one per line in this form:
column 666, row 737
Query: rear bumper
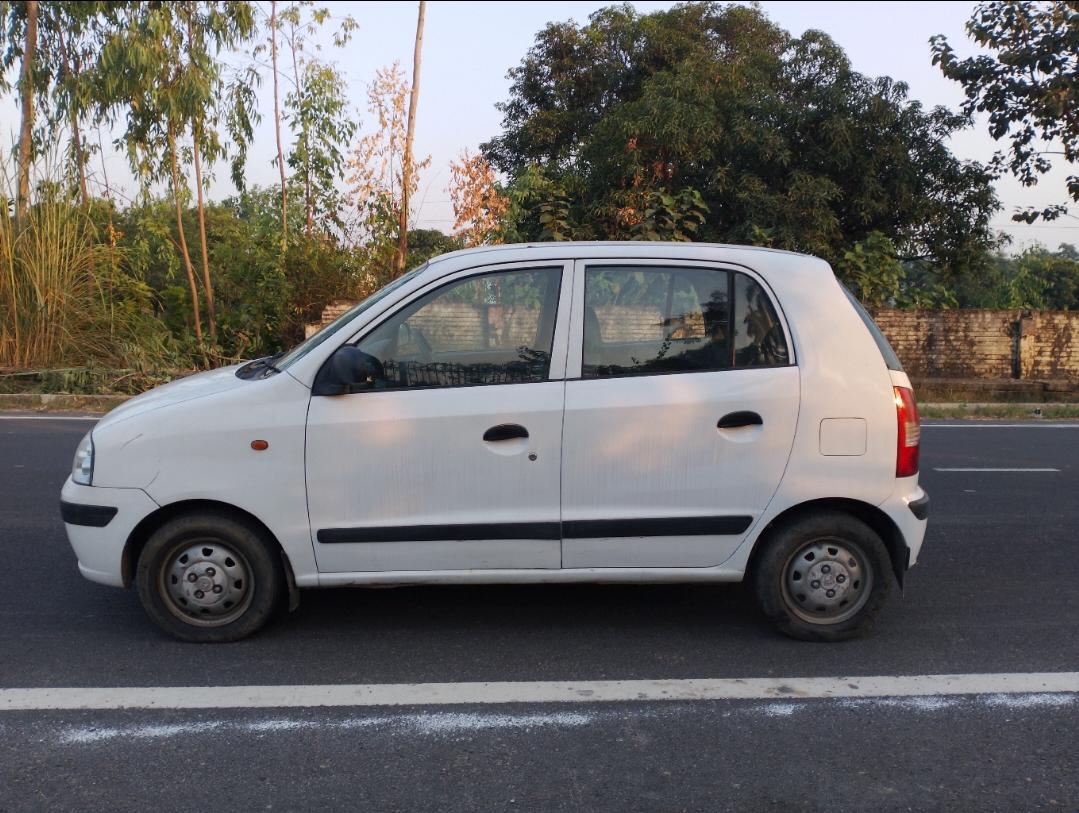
column 98, row 523
column 908, row 508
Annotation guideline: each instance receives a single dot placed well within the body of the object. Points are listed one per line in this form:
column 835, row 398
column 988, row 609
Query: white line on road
column 989, row 469
column 593, row 691
column 50, row 417
column 1000, row 426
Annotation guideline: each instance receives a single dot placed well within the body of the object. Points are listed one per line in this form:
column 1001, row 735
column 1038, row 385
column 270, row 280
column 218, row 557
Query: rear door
column 681, row 404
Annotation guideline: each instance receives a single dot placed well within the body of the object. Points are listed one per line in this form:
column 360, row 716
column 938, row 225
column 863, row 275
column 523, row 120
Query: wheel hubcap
column 827, row 581
column 206, row 583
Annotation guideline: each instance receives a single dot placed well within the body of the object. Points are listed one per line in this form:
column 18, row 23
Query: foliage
column 479, row 206
column 377, row 172
column 1035, row 279
column 1029, row 86
column 751, row 134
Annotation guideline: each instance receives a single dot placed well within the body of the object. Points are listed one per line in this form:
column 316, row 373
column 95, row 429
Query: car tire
column 210, row 578
column 823, row 577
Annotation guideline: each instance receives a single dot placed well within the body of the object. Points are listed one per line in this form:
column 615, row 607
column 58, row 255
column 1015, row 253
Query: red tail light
column 910, row 432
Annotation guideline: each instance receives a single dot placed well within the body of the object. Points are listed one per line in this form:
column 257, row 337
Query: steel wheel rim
column 206, row 582
column 827, row 581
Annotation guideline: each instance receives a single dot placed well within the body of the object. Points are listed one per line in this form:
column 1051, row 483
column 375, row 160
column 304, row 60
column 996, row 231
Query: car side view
column 559, row 412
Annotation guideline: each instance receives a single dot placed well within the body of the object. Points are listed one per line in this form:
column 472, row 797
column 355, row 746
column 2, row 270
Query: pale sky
column 469, row 46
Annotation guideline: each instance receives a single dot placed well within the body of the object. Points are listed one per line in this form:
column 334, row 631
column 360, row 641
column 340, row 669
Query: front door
column 451, row 460
column 681, row 403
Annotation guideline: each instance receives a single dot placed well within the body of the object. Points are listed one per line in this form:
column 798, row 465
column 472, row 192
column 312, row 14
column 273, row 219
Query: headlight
column 82, row 469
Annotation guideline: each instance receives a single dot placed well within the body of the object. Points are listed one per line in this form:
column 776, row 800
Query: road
column 996, row 592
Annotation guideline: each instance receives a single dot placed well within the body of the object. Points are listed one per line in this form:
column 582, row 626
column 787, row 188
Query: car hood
column 189, row 388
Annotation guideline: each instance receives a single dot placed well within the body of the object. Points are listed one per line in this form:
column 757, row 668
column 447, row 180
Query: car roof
column 770, row 261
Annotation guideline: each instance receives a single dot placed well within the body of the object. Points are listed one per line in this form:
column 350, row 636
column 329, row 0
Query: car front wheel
column 208, row 577
column 823, row 577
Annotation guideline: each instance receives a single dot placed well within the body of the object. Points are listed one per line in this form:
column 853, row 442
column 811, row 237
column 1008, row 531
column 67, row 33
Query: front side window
column 641, row 320
column 489, row 329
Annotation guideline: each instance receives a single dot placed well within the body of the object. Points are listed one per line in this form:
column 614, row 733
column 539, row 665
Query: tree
column 161, row 69
column 710, row 122
column 406, row 166
column 377, row 176
column 26, row 100
column 277, row 121
column 1029, row 86
column 479, row 207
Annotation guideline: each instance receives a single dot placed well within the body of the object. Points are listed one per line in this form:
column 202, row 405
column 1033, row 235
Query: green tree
column 1028, row 85
column 766, row 137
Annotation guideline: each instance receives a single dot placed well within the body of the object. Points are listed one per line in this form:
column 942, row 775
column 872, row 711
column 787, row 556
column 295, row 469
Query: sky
column 468, row 47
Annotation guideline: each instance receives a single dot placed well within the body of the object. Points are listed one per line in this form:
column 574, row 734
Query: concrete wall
column 975, row 343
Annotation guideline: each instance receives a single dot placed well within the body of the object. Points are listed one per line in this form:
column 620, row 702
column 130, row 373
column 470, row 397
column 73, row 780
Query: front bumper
column 98, row 523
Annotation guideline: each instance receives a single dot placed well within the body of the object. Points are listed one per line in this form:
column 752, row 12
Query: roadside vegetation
column 702, row 122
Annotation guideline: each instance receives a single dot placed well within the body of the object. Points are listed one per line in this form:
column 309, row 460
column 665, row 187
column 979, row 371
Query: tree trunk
column 76, row 135
column 26, row 96
column 277, row 122
column 406, row 164
column 180, row 233
column 211, row 317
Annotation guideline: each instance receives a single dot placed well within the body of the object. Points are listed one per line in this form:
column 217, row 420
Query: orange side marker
column 260, row 445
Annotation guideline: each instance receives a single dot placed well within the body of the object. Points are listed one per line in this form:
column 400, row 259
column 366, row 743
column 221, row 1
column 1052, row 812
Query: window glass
column 641, row 319
column 490, row 329
column 758, row 334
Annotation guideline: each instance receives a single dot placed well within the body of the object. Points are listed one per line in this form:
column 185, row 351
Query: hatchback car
column 563, row 412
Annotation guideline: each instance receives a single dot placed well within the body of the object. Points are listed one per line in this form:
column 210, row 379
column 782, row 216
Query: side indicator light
column 260, row 445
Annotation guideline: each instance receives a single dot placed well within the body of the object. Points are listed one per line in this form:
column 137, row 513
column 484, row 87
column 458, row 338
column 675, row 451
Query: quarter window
column 643, row 320
column 489, row 329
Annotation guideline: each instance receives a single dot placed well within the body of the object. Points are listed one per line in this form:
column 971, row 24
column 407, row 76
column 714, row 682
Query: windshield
column 314, row 340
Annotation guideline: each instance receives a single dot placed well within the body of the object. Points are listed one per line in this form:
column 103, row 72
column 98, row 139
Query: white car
column 559, row 412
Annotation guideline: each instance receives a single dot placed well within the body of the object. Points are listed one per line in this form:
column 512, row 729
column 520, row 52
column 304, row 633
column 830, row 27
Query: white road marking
column 50, row 417
column 983, row 468
column 594, row 691
column 1031, row 425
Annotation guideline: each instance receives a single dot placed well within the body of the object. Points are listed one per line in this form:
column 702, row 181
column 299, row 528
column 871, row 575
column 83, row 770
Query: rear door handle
column 734, row 420
column 505, row 431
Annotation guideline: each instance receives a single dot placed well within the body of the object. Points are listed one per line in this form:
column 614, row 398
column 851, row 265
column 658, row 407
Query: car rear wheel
column 209, row 577
column 823, row 577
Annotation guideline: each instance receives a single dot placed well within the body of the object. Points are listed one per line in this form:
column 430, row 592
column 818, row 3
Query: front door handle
column 734, row 420
column 505, row 431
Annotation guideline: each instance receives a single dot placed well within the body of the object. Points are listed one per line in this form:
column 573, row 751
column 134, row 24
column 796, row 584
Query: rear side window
column 890, row 358
column 642, row 320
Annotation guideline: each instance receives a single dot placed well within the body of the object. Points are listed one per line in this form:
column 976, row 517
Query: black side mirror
column 348, row 370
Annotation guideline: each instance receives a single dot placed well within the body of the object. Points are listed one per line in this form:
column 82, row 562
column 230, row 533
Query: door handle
column 734, row 420
column 505, row 431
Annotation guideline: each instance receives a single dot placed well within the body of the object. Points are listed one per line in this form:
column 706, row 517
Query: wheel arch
column 871, row 515
column 142, row 532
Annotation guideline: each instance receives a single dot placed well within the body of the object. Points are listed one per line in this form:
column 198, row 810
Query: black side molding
column 579, row 529
column 94, row 516
column 437, row 533
column 674, row 526
column 920, row 507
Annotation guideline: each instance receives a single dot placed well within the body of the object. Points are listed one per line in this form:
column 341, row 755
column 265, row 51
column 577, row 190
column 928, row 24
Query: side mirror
column 349, row 370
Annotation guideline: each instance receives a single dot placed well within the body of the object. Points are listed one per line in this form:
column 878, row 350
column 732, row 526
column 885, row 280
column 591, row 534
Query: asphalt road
column 997, row 591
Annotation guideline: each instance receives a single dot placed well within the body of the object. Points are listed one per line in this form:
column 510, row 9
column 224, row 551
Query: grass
column 996, row 411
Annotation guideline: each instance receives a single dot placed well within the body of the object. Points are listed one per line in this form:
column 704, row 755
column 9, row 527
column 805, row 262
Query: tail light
column 910, row 432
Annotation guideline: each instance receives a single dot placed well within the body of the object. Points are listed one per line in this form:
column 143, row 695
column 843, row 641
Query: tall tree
column 277, row 121
column 716, row 124
column 26, row 101
column 407, row 168
column 1028, row 84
